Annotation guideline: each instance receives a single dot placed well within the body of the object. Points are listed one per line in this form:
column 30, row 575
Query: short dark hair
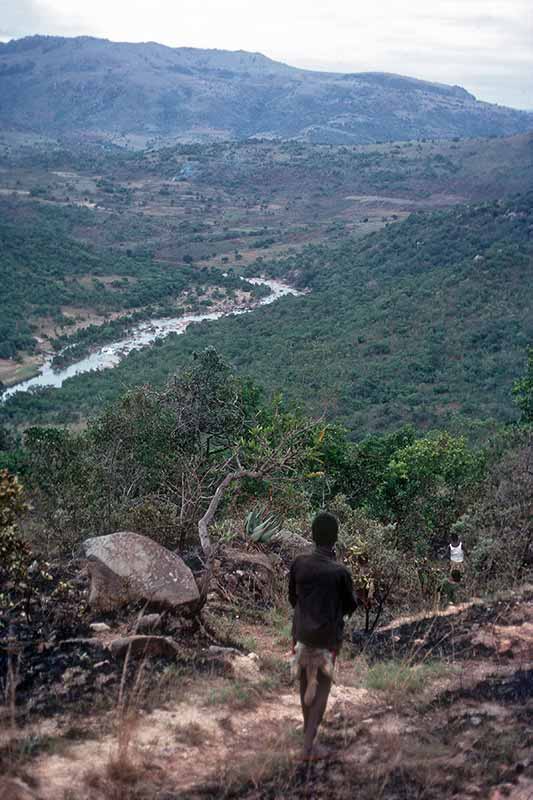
column 325, row 529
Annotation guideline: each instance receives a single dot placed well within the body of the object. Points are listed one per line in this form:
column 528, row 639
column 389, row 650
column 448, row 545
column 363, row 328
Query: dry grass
column 277, row 766
column 235, row 695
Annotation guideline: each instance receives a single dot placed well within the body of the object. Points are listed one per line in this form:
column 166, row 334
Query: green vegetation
column 20, row 579
column 261, row 526
column 523, row 390
column 43, row 270
column 400, row 677
column 425, row 321
column 152, row 460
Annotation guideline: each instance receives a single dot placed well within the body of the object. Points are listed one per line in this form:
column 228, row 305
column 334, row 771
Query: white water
column 140, row 336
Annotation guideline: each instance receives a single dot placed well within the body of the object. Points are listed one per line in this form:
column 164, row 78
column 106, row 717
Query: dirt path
column 459, row 727
column 220, row 725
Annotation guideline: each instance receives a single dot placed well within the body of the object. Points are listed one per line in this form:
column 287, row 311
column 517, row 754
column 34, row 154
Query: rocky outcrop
column 244, row 576
column 514, row 641
column 126, row 567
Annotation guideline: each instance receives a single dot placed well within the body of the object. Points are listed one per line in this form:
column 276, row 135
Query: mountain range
column 59, row 87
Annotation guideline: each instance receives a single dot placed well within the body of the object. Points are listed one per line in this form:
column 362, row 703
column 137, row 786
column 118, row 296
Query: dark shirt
column 321, row 593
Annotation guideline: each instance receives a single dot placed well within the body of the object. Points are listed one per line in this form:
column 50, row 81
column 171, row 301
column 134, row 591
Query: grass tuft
column 402, row 677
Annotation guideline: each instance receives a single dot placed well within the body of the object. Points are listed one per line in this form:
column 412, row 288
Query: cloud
column 19, row 17
column 27, row 17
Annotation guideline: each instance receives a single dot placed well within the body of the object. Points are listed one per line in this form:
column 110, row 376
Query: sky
column 484, row 45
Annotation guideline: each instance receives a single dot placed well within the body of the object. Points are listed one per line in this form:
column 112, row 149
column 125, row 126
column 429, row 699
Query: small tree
column 160, row 460
column 426, row 487
column 280, row 446
column 382, row 573
column 15, row 554
column 498, row 528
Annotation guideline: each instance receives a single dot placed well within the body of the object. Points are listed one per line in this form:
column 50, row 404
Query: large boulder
column 127, row 567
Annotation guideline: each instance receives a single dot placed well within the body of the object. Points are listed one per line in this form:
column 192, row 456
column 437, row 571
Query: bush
column 497, row 530
column 20, row 577
column 382, row 573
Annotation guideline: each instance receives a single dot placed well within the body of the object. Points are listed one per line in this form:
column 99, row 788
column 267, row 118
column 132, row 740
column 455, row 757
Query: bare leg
column 303, row 689
column 314, row 713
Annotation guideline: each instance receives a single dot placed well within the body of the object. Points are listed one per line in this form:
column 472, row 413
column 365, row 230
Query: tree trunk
column 207, row 519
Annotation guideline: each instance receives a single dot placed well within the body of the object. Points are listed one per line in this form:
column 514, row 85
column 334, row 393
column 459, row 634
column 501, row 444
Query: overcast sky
column 484, row 45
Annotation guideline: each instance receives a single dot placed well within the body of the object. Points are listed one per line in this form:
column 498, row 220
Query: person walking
column 321, row 594
column 457, row 558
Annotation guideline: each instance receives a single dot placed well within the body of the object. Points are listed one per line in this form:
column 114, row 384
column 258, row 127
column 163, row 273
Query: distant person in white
column 457, row 558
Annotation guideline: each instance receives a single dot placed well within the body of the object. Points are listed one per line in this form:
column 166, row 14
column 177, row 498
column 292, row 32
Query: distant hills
column 54, row 86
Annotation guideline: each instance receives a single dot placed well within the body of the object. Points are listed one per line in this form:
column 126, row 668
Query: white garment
column 456, row 553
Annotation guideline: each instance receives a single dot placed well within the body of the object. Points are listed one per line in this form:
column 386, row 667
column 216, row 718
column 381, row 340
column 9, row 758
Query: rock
column 289, row 545
column 244, row 559
column 99, row 627
column 215, row 650
column 144, row 646
column 515, row 641
column 246, row 576
column 127, row 567
column 239, row 666
column 149, row 622
column 246, row 668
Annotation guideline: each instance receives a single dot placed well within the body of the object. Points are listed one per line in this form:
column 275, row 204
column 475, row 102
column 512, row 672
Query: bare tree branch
column 206, row 520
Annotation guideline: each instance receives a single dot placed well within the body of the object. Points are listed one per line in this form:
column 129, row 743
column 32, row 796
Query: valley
column 266, row 402
column 143, row 234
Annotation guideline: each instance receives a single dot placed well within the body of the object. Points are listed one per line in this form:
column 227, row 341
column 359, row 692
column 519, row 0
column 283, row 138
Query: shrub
column 382, row 573
column 20, row 576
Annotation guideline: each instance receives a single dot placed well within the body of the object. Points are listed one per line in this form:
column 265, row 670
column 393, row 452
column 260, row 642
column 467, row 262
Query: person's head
column 325, row 529
column 454, row 539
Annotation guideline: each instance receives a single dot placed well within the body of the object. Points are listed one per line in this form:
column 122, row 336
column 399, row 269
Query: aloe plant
column 261, row 527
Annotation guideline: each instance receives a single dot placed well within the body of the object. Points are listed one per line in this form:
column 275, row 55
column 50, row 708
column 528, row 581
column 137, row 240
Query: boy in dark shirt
column 321, row 594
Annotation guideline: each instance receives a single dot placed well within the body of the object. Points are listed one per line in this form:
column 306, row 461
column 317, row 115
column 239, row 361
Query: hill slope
column 56, row 86
column 424, row 321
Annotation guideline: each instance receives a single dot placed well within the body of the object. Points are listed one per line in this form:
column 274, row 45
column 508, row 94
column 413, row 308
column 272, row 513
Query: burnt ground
column 448, row 635
column 451, row 718
column 473, row 737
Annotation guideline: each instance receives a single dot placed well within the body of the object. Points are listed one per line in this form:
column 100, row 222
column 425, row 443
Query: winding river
column 141, row 335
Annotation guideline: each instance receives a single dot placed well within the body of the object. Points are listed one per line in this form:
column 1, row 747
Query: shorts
column 457, row 566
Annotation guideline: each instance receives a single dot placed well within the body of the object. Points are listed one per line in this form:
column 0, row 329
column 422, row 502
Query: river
column 141, row 335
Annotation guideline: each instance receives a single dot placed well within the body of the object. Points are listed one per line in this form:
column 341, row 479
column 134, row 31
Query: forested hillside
column 52, row 284
column 426, row 321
